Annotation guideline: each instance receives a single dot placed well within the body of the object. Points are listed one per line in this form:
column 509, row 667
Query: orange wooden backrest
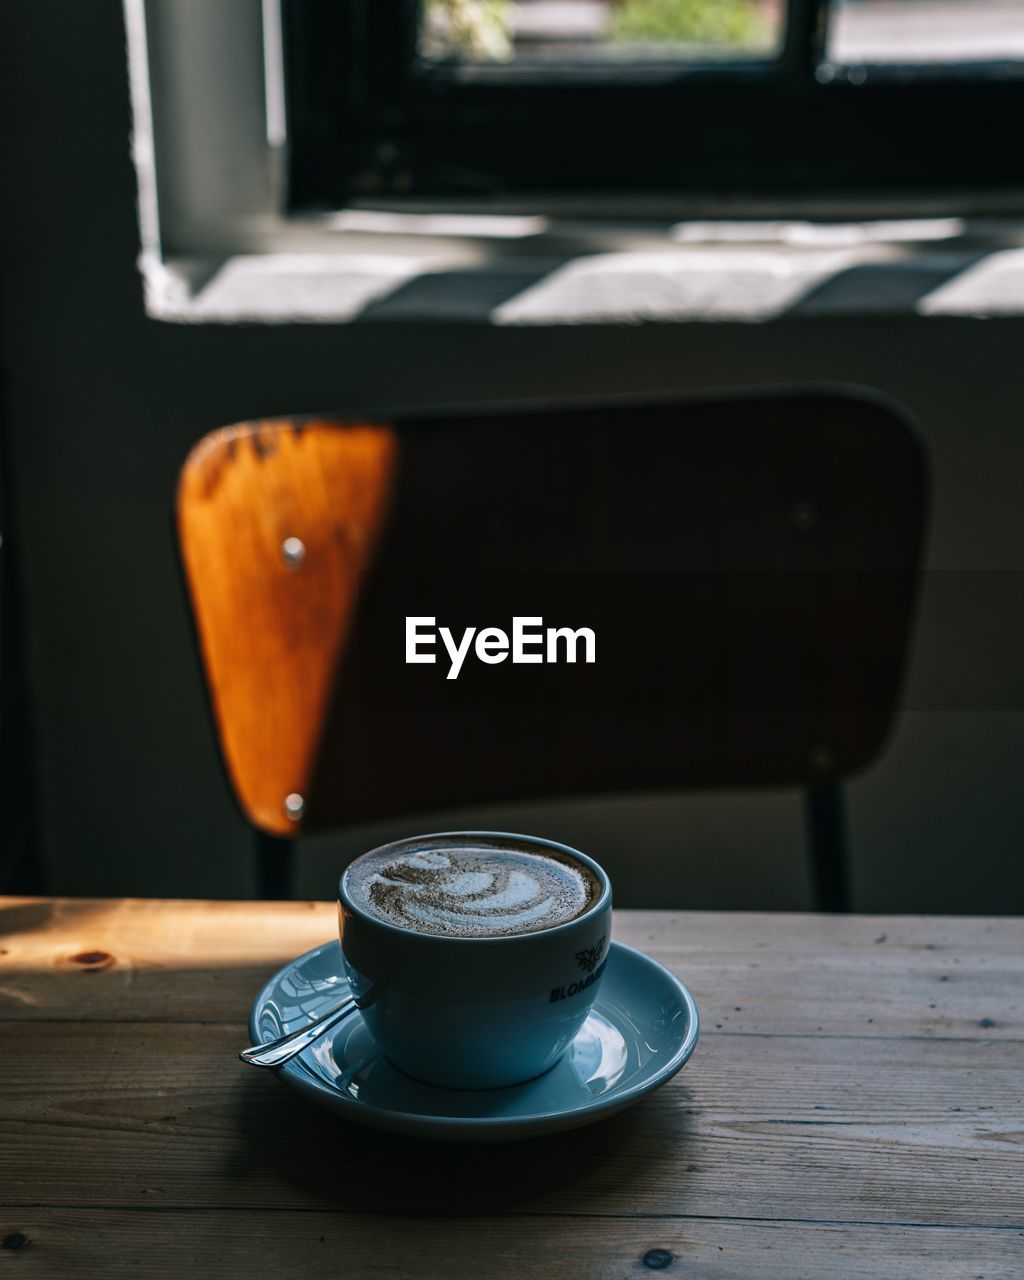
column 276, row 521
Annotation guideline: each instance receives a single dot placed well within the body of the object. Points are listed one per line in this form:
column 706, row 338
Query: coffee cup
column 475, row 957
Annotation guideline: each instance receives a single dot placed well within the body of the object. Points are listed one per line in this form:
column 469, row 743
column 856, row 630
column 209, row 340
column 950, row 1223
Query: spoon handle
column 276, row 1052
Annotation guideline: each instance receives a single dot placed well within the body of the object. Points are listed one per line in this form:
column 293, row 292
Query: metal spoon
column 276, row 1052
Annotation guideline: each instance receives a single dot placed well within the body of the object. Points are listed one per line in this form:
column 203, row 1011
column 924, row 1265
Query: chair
column 749, row 567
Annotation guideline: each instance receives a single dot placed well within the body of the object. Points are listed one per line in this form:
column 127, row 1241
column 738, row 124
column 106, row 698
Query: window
column 590, row 99
column 567, row 33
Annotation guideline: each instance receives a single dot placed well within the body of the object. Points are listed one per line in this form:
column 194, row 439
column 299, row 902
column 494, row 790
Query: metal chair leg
column 826, row 830
column 274, row 867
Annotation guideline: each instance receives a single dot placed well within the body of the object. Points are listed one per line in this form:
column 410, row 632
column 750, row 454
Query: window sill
column 467, row 282
column 218, row 247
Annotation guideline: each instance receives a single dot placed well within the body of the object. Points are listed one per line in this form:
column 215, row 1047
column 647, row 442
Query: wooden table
column 855, row 1108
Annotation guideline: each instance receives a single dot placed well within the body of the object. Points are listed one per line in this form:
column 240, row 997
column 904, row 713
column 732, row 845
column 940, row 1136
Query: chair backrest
column 748, row 568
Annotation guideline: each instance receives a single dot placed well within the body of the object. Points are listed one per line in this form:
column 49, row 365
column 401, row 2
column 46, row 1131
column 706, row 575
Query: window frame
column 368, row 121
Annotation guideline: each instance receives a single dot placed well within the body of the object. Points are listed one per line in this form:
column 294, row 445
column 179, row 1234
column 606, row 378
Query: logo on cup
column 589, row 957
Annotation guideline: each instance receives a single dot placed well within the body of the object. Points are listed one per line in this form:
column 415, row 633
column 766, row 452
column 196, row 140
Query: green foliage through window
column 485, row 29
column 735, row 22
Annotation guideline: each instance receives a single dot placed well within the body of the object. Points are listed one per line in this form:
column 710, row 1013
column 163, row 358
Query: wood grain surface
column 855, row 1108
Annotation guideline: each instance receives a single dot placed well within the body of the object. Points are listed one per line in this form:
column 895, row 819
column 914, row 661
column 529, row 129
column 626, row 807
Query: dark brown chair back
column 748, row 568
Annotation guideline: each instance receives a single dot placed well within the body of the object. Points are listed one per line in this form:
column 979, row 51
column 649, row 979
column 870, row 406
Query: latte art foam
column 474, row 891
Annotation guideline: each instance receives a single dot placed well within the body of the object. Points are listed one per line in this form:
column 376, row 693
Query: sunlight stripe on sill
column 485, row 226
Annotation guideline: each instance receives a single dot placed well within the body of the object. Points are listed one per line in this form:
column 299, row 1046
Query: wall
column 102, row 404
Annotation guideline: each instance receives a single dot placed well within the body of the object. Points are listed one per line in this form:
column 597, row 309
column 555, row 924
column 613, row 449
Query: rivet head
column 293, row 552
column 294, row 806
column 803, row 515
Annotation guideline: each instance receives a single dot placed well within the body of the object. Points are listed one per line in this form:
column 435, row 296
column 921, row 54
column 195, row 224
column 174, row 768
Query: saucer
column 642, row 1029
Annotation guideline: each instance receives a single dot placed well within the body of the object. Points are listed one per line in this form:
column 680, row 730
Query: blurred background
column 317, row 207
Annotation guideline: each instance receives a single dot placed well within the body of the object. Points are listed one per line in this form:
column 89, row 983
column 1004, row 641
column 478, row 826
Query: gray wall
column 102, row 404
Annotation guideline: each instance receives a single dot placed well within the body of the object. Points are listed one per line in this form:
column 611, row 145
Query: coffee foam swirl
column 475, row 892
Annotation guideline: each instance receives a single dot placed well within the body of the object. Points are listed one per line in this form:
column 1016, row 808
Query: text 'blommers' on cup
column 530, row 642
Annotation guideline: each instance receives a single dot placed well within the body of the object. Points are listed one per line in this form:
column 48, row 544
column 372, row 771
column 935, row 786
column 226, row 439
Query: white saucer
column 642, row 1029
